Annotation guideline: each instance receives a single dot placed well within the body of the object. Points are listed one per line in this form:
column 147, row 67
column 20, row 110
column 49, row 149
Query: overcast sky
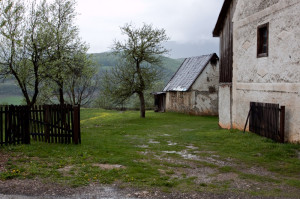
column 189, row 23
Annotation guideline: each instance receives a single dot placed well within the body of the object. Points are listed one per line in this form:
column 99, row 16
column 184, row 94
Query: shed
column 159, row 101
column 193, row 89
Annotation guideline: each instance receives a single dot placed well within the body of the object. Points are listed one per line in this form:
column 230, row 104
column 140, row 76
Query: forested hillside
column 107, row 60
column 11, row 94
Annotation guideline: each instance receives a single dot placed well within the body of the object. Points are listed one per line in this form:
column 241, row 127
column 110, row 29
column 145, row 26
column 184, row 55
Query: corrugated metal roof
column 188, row 72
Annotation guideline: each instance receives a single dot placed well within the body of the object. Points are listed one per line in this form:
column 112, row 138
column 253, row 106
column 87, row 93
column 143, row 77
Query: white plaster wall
column 225, row 106
column 272, row 79
column 205, row 91
column 201, row 99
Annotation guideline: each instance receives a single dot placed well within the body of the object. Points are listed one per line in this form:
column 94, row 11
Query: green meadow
column 165, row 151
column 13, row 99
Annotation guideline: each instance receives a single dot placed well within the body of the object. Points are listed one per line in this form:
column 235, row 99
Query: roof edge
column 211, row 56
column 221, row 18
column 164, row 90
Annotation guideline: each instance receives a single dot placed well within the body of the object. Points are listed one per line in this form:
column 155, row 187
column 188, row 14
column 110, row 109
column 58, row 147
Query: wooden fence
column 267, row 120
column 48, row 123
column 14, row 125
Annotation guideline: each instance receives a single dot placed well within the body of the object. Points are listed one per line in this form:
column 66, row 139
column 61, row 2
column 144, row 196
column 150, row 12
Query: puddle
column 203, row 175
column 142, row 146
column 192, row 147
column 170, row 152
column 214, row 159
column 183, row 154
column 153, row 142
column 172, row 143
column 109, row 166
column 145, row 152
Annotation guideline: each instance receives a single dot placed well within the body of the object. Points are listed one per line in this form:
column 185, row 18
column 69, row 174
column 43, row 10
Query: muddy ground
column 38, row 189
column 35, row 189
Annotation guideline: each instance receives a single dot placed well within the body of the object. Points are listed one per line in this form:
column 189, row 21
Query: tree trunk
column 61, row 96
column 142, row 105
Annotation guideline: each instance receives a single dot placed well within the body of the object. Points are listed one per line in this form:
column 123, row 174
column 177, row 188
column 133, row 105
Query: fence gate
column 267, row 120
column 49, row 123
column 14, row 125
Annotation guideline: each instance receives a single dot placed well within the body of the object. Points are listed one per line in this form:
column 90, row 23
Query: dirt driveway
column 35, row 189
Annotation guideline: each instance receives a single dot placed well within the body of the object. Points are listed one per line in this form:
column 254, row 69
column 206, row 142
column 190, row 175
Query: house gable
column 188, row 72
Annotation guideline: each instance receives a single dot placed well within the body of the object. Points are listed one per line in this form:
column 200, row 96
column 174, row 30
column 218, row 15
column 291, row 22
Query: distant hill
column 10, row 93
column 107, row 60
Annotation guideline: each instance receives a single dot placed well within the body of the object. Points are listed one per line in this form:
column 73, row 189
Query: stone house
column 259, row 60
column 194, row 87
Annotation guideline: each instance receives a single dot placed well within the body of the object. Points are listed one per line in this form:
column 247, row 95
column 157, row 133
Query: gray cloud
column 189, row 23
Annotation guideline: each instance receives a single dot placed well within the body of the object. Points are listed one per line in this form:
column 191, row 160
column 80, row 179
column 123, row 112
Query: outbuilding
column 194, row 87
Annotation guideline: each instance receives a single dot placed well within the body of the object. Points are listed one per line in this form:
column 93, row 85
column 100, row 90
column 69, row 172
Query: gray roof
column 188, row 72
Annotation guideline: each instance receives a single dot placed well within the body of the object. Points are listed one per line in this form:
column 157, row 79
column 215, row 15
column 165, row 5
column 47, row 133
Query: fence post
column 7, row 125
column 76, row 124
column 27, row 125
column 282, row 121
column 46, row 122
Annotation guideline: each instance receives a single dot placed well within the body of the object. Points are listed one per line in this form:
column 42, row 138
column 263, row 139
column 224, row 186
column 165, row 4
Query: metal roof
column 188, row 72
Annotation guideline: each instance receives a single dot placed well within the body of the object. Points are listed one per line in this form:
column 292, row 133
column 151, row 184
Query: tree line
column 41, row 49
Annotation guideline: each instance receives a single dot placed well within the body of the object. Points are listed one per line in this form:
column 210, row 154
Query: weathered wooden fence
column 48, row 123
column 14, row 125
column 267, row 120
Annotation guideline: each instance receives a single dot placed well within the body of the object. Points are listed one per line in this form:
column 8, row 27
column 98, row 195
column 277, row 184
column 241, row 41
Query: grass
column 122, row 138
column 14, row 99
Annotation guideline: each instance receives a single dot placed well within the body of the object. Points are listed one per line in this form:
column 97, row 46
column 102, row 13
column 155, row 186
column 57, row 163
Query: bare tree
column 140, row 53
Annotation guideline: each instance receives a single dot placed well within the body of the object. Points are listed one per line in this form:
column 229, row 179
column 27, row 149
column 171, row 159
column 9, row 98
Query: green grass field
column 165, row 151
column 8, row 100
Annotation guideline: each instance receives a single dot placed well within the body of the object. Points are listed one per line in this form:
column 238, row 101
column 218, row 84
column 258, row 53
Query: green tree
column 66, row 44
column 82, row 81
column 140, row 53
column 23, row 44
column 41, row 49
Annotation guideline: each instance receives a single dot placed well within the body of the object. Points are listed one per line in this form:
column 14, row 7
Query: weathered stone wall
column 201, row 99
column 272, row 79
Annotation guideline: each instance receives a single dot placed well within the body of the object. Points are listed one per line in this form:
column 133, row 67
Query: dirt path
column 35, row 189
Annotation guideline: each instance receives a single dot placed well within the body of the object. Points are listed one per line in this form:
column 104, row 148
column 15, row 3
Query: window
column 263, row 40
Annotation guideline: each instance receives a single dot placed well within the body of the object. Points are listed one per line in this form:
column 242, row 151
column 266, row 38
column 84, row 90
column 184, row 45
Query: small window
column 263, row 40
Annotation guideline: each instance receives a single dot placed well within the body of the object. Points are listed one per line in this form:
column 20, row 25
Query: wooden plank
column 1, row 126
column 42, row 126
column 46, row 122
column 69, row 124
column 12, row 125
column 27, row 125
column 55, row 123
column 38, row 124
column 6, row 124
column 282, row 123
column 17, row 133
column 76, row 125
